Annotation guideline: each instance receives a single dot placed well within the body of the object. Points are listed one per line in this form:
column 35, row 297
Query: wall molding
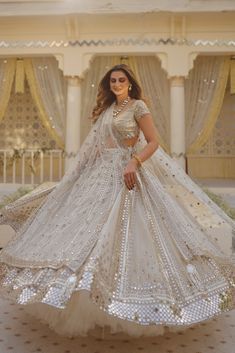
column 115, row 42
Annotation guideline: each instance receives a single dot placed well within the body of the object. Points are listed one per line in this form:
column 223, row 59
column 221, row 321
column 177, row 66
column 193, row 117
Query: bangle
column 138, row 159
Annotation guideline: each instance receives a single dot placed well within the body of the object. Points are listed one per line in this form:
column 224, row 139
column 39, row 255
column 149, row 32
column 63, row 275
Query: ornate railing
column 31, row 166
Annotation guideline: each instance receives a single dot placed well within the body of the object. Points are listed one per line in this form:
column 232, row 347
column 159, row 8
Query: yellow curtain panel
column 232, row 77
column 38, row 101
column 214, row 109
column 19, row 76
column 6, row 85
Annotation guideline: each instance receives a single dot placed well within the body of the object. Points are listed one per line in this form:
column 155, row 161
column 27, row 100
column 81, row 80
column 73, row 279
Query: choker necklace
column 123, row 104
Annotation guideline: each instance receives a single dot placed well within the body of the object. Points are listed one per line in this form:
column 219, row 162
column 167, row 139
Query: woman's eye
column 122, row 79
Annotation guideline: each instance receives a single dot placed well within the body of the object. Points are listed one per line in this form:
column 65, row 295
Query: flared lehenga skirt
column 134, row 261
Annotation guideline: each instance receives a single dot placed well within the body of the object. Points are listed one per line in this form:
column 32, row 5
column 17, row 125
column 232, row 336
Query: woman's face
column 119, row 83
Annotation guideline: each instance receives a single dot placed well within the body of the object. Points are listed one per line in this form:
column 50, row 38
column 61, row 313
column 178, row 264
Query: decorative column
column 73, row 119
column 178, row 120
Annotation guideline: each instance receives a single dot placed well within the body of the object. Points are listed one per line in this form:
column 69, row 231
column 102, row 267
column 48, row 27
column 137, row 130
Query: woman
column 126, row 239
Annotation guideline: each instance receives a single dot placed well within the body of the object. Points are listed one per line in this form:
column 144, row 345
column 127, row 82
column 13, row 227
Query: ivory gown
column 94, row 253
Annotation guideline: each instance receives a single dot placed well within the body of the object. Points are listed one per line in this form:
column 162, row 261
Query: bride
column 126, row 240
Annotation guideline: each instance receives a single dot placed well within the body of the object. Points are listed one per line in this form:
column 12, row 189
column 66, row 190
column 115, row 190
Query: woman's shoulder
column 140, row 108
column 139, row 101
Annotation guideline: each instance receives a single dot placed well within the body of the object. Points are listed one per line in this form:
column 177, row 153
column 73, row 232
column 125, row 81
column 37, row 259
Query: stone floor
column 20, row 333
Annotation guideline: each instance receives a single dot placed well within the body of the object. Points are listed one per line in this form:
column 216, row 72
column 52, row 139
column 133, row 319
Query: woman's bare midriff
column 130, row 142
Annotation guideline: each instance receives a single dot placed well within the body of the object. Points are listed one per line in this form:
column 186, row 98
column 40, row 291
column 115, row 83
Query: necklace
column 118, row 110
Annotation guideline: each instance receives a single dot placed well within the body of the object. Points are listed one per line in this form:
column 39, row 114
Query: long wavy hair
column 106, row 97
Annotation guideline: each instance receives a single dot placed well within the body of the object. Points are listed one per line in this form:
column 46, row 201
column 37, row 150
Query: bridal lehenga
column 91, row 253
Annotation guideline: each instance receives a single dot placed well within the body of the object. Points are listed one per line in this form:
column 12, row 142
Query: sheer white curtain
column 156, row 89
column 52, row 89
column 152, row 79
column 98, row 67
column 204, row 94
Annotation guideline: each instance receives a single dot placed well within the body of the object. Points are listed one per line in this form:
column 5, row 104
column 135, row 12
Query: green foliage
column 221, row 203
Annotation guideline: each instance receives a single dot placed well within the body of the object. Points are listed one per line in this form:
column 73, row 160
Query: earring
column 130, row 87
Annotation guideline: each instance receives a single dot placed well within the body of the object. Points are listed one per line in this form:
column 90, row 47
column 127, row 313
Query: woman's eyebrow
column 117, row 77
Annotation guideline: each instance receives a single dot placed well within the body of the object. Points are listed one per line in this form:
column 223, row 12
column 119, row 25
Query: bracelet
column 138, row 159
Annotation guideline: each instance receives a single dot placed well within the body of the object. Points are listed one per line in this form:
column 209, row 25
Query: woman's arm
column 146, row 124
column 148, row 127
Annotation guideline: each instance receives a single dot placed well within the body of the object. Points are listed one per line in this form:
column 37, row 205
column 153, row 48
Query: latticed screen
column 222, row 140
column 22, row 126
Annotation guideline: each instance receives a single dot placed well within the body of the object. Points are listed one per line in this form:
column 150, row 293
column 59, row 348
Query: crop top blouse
column 125, row 123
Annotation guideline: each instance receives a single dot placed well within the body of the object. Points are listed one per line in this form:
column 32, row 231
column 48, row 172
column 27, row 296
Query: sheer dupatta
column 25, row 249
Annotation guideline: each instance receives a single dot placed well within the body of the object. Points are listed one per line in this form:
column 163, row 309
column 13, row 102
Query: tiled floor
column 20, row 333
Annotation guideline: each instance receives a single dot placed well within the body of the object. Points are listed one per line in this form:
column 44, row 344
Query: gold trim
column 117, row 41
column 6, row 86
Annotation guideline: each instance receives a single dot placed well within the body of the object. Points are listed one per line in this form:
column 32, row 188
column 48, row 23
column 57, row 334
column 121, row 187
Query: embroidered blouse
column 125, row 123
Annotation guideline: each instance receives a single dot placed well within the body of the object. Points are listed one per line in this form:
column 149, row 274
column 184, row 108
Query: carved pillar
column 73, row 119
column 178, row 120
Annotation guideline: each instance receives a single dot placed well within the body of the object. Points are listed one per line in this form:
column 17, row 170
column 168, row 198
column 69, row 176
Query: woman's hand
column 130, row 174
